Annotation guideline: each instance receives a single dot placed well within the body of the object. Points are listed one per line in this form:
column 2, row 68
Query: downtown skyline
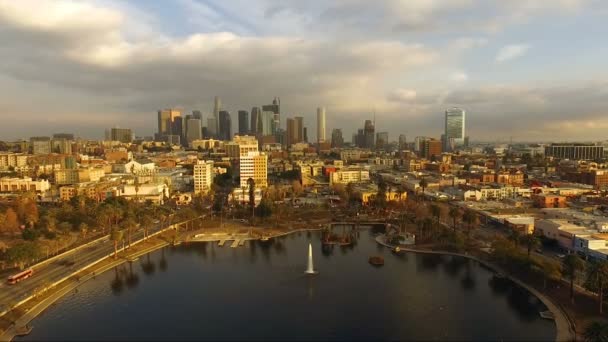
column 531, row 70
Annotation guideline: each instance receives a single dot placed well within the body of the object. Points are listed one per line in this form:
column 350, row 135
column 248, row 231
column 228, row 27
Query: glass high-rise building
column 225, row 132
column 256, row 120
column 454, row 127
column 243, row 122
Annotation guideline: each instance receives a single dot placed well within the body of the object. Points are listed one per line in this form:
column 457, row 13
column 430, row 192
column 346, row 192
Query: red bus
column 15, row 278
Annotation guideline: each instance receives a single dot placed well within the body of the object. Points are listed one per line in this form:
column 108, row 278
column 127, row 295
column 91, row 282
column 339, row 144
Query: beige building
column 206, row 144
column 72, row 176
column 254, row 165
column 14, row 160
column 349, row 175
column 240, row 146
column 203, row 176
column 23, row 185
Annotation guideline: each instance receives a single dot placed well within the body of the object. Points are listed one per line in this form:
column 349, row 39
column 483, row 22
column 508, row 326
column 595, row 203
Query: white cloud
column 459, row 76
column 402, row 95
column 509, row 52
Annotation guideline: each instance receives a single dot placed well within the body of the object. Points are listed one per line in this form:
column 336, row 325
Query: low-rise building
column 25, row 184
column 349, row 175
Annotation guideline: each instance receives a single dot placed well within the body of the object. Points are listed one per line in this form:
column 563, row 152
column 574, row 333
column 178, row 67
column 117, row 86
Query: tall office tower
column 254, row 165
column 360, row 138
column 203, row 176
column 321, row 124
column 256, row 120
column 193, row 130
column 291, row 132
column 419, row 143
column 40, row 145
column 305, row 134
column 299, row 128
column 295, row 130
column 368, row 130
column 124, row 135
column 274, row 110
column 217, row 107
column 280, row 137
column 267, row 123
column 196, row 114
column 243, row 122
column 166, row 117
column 454, row 128
column 211, row 128
column 177, row 128
column 381, row 140
column 402, row 142
column 337, row 141
column 225, row 132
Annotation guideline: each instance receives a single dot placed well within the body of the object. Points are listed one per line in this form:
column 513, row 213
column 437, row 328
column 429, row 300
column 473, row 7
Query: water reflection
column 163, row 265
column 148, row 267
column 415, row 297
column 117, row 284
column 132, row 279
column 468, row 281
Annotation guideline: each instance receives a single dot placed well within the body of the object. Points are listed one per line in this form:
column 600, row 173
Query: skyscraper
column 454, row 128
column 243, row 122
column 166, row 117
column 256, row 121
column 337, row 141
column 225, row 126
column 197, row 115
column 177, row 128
column 295, row 130
column 193, row 129
column 121, row 134
column 368, row 135
column 402, row 142
column 267, row 123
column 321, row 124
column 273, row 110
column 217, row 107
column 381, row 140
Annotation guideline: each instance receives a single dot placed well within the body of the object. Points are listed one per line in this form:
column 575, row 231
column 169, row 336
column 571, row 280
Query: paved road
column 58, row 269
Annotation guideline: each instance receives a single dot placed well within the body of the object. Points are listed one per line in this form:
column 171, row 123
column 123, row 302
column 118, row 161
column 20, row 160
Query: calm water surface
column 259, row 292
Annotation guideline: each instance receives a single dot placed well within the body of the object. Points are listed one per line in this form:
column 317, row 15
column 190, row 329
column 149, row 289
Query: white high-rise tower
column 321, row 124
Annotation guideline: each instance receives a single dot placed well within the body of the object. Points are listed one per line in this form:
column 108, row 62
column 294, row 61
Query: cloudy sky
column 530, row 69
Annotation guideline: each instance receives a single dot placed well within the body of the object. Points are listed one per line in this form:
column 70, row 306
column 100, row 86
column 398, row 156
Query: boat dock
column 221, row 243
column 235, row 244
column 241, row 242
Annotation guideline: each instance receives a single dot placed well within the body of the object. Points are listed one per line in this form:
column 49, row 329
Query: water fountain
column 310, row 268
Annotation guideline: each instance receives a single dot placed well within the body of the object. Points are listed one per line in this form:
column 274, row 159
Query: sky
column 530, row 70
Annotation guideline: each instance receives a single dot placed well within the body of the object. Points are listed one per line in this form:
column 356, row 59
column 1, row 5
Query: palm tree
column 470, row 218
column 454, row 214
column 571, row 264
column 251, row 184
column 129, row 225
column 146, row 221
column 116, row 236
column 597, row 274
column 596, row 331
column 531, row 242
column 435, row 212
column 423, row 184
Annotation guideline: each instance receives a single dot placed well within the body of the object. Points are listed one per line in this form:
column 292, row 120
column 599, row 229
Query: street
column 60, row 268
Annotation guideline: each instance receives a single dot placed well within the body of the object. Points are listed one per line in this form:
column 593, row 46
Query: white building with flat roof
column 203, row 176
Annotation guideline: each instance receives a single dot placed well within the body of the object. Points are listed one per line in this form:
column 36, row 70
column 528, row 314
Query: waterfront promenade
column 84, row 269
column 563, row 325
